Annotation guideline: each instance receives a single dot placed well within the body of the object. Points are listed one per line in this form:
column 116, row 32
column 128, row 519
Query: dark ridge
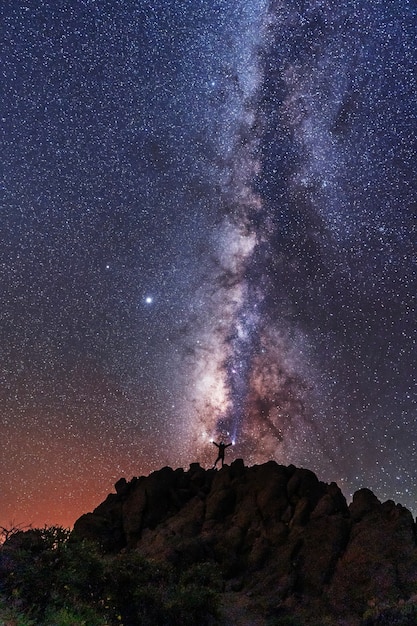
column 279, row 536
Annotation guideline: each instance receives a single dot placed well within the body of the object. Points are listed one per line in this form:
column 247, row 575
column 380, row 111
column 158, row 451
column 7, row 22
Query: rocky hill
column 287, row 545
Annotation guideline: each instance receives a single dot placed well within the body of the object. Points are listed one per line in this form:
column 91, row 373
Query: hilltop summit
column 282, row 539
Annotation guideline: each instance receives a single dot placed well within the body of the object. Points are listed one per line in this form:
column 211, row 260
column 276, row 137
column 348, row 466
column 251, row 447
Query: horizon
column 61, row 521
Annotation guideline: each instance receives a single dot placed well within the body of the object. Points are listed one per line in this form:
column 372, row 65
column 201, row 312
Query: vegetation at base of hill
column 50, row 578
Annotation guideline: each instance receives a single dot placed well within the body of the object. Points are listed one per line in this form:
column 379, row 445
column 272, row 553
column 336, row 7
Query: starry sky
column 208, row 231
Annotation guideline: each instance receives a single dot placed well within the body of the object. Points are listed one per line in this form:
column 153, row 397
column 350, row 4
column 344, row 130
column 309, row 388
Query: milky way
column 209, row 231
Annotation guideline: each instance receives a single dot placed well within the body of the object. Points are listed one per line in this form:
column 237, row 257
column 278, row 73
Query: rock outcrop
column 277, row 533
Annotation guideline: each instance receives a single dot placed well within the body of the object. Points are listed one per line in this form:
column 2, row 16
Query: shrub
column 191, row 605
column 85, row 616
column 405, row 615
column 59, row 580
column 204, row 575
column 42, row 569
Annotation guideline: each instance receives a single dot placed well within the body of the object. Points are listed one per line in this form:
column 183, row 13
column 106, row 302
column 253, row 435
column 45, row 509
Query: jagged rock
column 331, row 503
column 121, row 487
column 380, row 559
column 104, row 525
column 276, row 533
column 364, row 503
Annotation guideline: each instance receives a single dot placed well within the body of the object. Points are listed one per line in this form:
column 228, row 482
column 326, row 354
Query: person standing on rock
column 222, row 447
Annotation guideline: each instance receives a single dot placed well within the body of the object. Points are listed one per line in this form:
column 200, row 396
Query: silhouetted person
column 222, row 447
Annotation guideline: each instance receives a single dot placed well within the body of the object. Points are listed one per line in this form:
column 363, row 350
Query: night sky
column 208, row 230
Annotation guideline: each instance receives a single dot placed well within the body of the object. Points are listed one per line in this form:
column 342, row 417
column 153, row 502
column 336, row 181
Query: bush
column 9, row 617
column 191, row 605
column 146, row 593
column 203, row 575
column 42, row 569
column 71, row 617
column 58, row 580
column 135, row 589
column 405, row 615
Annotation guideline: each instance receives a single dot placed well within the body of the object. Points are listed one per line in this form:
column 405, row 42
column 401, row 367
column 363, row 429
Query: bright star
column 148, row 299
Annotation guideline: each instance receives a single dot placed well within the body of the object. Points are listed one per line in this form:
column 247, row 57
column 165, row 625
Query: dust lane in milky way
column 209, row 231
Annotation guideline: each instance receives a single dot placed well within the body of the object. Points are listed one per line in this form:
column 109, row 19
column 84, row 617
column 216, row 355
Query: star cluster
column 209, row 230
